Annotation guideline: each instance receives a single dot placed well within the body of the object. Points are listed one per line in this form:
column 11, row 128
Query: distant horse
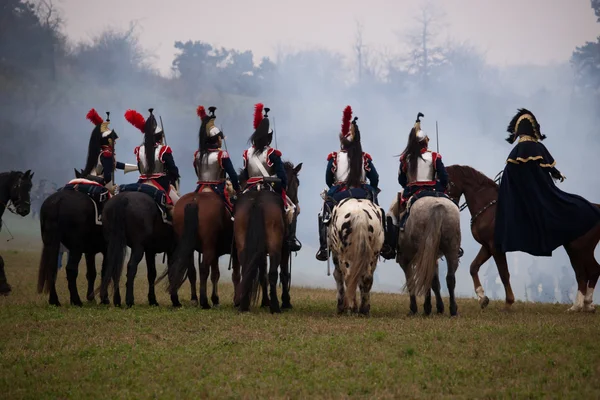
column 431, row 231
column 355, row 237
column 481, row 195
column 260, row 229
column 133, row 219
column 69, row 217
column 201, row 222
column 15, row 188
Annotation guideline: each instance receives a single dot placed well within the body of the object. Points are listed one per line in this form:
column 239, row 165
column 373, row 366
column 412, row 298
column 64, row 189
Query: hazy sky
column 508, row 31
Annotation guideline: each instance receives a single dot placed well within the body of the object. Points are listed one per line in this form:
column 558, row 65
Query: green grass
column 536, row 351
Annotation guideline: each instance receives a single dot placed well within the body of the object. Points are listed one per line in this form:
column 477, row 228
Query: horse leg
column 285, row 282
column 365, row 293
column 339, row 282
column 452, row 261
column 151, row 265
column 90, row 262
column 502, row 265
column 204, row 261
column 72, row 272
column 274, row 261
column 413, row 299
column 235, row 279
column 480, row 259
column 5, row 288
column 215, row 275
column 580, row 276
column 436, row 286
column 265, row 290
column 192, row 278
column 427, row 303
column 103, row 298
column 137, row 253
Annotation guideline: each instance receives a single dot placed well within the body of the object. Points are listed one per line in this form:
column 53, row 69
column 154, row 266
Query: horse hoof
column 276, row 311
column 177, row 305
column 287, row 306
column 589, row 308
column 484, row 302
column 194, row 303
column 153, row 303
column 77, row 303
column 205, row 306
column 216, row 305
column 5, row 289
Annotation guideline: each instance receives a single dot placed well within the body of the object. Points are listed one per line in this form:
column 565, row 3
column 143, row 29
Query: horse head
column 20, row 192
column 456, row 185
column 293, row 182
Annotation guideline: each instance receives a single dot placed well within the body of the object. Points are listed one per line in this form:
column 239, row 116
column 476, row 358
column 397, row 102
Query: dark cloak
column 533, row 215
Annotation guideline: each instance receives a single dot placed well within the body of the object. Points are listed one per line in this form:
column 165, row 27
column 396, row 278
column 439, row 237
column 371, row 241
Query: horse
column 355, row 236
column 15, row 188
column 201, row 222
column 259, row 229
column 431, row 231
column 132, row 219
column 69, row 217
column 481, row 196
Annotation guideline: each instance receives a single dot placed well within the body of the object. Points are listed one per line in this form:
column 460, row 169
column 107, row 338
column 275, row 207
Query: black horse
column 15, row 188
column 133, row 219
column 69, row 217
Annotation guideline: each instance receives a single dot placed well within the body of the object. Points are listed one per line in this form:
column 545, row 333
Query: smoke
column 44, row 127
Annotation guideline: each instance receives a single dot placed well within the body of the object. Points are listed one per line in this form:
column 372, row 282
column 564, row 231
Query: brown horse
column 201, row 222
column 260, row 229
column 481, row 195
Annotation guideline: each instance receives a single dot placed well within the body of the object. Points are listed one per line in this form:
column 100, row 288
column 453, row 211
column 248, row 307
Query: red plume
column 258, row 114
column 136, row 119
column 93, row 116
column 201, row 112
column 346, row 120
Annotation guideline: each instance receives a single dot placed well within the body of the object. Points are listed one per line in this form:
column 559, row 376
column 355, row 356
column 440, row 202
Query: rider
column 533, row 215
column 155, row 159
column 261, row 161
column 345, row 176
column 420, row 170
column 210, row 162
column 101, row 161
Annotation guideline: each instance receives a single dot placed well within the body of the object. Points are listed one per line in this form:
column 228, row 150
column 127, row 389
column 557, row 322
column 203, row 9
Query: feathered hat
column 350, row 131
column 262, row 126
column 524, row 123
column 136, row 119
column 417, row 131
column 208, row 129
column 101, row 126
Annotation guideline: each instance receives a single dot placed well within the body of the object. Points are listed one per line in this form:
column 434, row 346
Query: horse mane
column 470, row 174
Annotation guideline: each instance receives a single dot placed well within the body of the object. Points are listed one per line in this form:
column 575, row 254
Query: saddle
column 413, row 199
column 227, row 194
column 271, row 183
column 159, row 197
column 96, row 192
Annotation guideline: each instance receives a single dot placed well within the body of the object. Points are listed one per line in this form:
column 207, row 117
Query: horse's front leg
column 72, row 272
column 339, row 282
column 439, row 303
column 285, row 282
column 215, row 275
column 274, row 261
column 482, row 256
column 5, row 288
column 137, row 253
column 151, row 265
column 365, row 293
column 90, row 262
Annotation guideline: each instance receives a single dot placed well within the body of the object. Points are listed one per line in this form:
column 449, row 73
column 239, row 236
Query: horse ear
column 298, row 168
column 27, row 173
column 31, row 176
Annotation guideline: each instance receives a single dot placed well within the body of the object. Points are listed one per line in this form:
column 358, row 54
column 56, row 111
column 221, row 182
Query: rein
column 488, row 205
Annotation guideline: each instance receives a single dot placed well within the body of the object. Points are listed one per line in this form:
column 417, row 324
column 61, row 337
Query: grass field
column 535, row 351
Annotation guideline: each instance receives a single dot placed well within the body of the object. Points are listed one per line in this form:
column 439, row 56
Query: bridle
column 465, row 205
column 11, row 205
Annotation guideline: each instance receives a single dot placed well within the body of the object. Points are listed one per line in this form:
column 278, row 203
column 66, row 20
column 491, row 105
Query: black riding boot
column 322, row 253
column 293, row 243
column 391, row 240
column 387, row 250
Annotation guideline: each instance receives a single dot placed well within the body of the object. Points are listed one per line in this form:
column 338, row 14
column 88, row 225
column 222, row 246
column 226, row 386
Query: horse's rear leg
column 264, row 284
column 339, row 283
column 480, row 259
column 192, row 277
column 90, row 262
column 365, row 291
column 215, row 275
column 151, row 265
column 407, row 276
column 437, row 287
column 103, row 297
column 137, row 253
column 235, row 278
column 72, row 272
column 452, row 262
column 284, row 275
column 274, row 261
column 502, row 265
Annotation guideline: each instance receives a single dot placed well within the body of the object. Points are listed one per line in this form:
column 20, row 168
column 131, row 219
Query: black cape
column 533, row 215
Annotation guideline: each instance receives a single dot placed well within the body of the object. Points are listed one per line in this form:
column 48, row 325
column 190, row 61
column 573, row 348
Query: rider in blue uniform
column 211, row 163
column 533, row 215
column 346, row 174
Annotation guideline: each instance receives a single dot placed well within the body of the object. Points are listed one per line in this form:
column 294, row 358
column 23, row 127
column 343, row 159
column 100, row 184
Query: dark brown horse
column 259, row 230
column 201, row 222
column 481, row 195
column 15, row 189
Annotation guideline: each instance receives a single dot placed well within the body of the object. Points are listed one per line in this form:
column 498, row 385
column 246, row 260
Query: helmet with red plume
column 263, row 134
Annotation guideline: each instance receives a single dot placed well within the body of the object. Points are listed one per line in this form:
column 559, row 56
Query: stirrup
column 323, row 254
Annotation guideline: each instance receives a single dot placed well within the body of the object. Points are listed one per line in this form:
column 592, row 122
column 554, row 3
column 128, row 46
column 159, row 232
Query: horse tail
column 361, row 252
column 185, row 248
column 50, row 227
column 117, row 241
column 254, row 256
column 425, row 260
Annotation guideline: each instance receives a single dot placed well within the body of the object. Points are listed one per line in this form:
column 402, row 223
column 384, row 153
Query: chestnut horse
column 481, row 195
